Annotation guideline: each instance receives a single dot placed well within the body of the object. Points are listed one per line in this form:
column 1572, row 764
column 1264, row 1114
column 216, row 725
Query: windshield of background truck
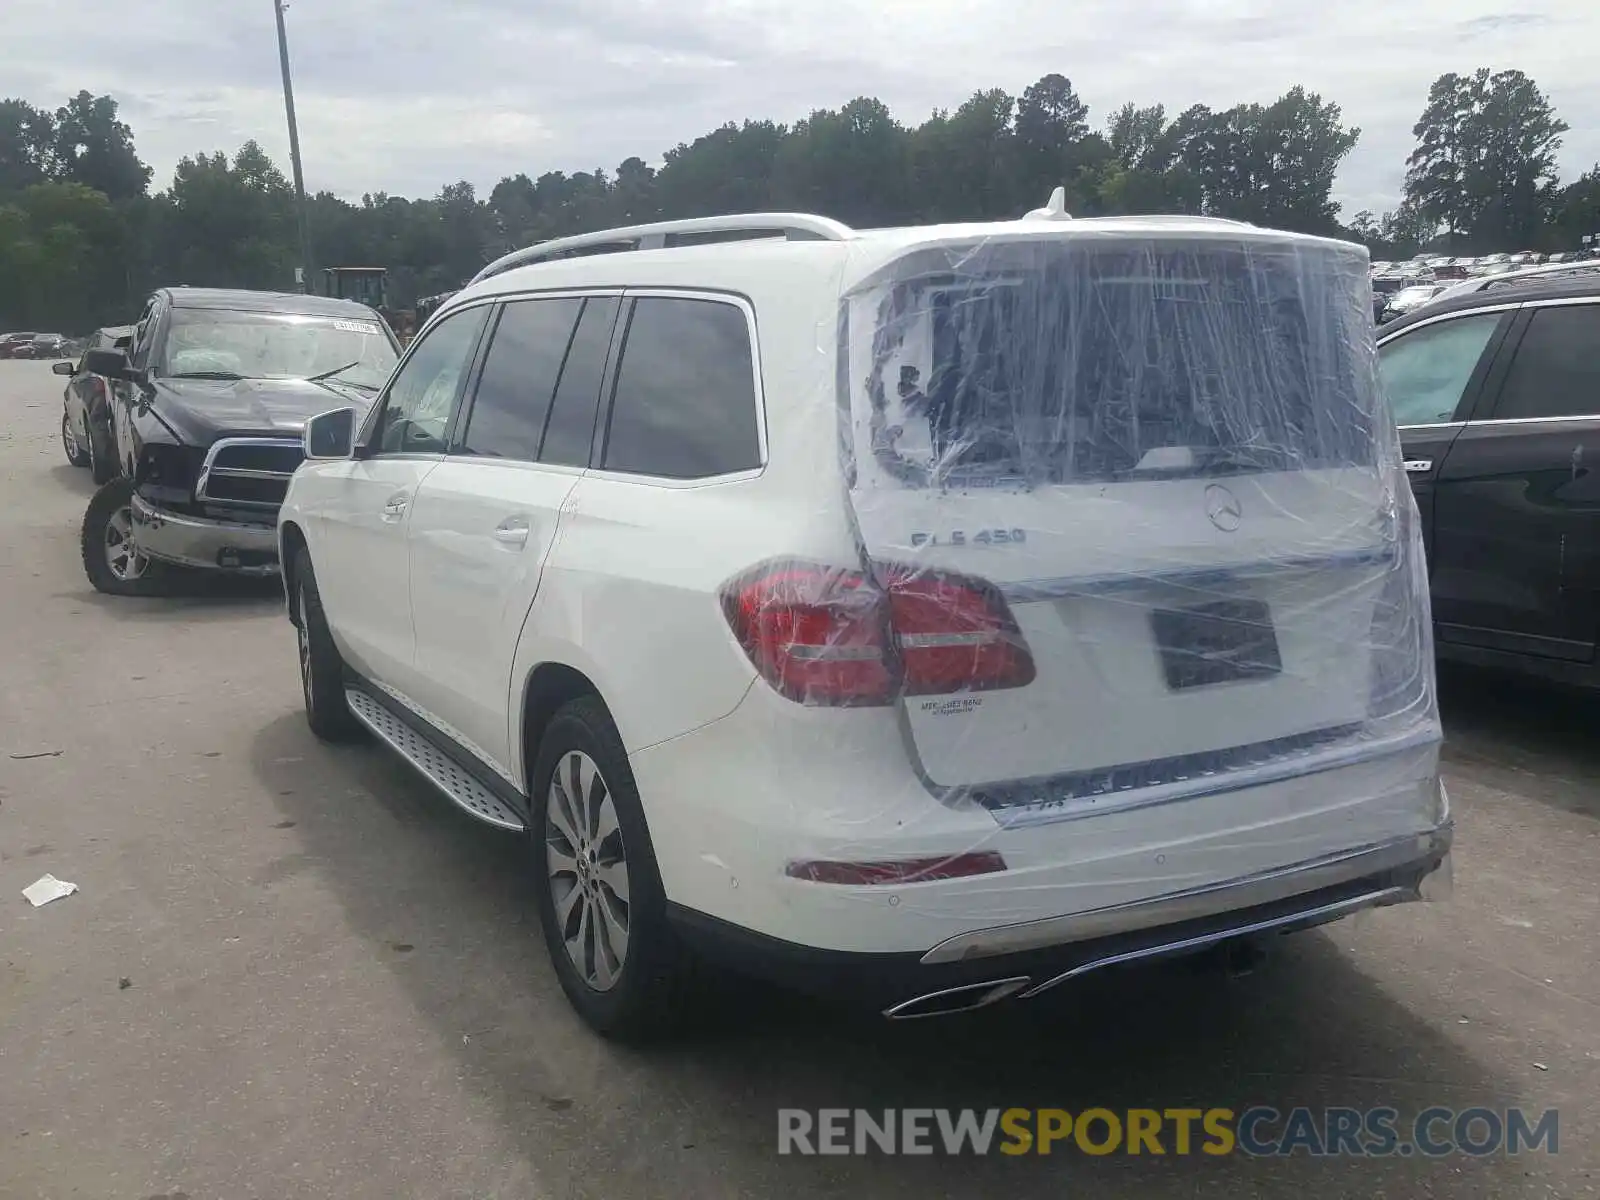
column 1069, row 361
column 261, row 345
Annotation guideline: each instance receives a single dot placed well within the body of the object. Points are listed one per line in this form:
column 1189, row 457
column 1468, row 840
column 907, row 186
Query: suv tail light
column 830, row 636
column 955, row 635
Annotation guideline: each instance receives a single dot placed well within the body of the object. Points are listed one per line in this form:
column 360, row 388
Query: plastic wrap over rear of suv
column 1133, row 517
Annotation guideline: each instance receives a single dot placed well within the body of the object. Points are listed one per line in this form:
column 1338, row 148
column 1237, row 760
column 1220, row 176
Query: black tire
column 77, row 454
column 321, row 668
column 106, row 526
column 102, row 454
column 653, row 994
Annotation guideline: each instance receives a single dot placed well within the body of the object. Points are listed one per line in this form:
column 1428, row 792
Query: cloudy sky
column 406, row 95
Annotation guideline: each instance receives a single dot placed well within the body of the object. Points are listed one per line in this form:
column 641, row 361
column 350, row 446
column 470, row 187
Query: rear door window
column 512, row 402
column 684, row 405
column 569, row 429
column 1556, row 371
column 1425, row 372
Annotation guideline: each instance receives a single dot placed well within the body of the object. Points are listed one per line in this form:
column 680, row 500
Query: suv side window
column 569, row 430
column 1425, row 372
column 512, row 402
column 684, row 405
column 1556, row 371
column 422, row 396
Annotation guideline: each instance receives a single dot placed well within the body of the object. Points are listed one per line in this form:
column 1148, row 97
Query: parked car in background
column 43, row 345
column 86, row 407
column 1497, row 395
column 11, row 343
column 1044, row 594
column 1409, row 299
column 206, row 411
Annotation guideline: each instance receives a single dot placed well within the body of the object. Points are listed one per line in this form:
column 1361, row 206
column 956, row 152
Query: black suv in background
column 206, row 412
column 1497, row 395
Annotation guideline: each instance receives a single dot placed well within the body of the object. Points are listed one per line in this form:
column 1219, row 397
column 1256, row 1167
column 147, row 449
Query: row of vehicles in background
column 898, row 664
column 35, row 345
column 1399, row 289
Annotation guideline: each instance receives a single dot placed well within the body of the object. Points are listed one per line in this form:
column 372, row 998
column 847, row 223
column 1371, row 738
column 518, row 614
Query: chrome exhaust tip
column 961, row 999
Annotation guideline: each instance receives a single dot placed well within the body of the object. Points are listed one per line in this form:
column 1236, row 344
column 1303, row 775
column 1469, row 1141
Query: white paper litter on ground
column 47, row 888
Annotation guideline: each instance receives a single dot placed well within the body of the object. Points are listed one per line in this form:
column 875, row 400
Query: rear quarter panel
column 631, row 595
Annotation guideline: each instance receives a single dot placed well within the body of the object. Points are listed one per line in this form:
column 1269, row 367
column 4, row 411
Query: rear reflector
column 911, row 870
column 831, row 636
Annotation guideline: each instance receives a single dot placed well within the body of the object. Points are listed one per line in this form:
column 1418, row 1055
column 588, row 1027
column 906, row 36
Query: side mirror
column 64, row 368
column 330, row 435
column 113, row 364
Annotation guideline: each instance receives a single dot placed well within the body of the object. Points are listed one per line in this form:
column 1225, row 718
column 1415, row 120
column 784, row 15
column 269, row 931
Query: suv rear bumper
column 981, row 971
column 196, row 542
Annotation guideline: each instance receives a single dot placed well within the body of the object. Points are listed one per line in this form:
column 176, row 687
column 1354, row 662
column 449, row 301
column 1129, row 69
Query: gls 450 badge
column 976, row 537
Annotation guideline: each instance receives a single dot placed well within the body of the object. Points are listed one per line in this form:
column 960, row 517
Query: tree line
column 82, row 237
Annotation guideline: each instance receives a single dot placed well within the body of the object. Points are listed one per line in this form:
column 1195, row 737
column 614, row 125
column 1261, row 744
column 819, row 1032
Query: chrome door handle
column 396, row 507
column 1418, row 466
column 513, row 531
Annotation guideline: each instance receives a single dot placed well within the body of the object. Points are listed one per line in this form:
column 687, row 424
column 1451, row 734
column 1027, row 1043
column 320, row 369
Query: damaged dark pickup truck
column 206, row 416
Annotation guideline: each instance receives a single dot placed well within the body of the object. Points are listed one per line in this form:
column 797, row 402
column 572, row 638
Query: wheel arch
column 549, row 686
column 291, row 540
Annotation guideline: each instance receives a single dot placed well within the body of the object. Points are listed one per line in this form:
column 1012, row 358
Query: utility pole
column 294, row 151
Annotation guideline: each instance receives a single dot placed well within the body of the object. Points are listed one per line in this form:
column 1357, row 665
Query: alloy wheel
column 123, row 556
column 303, row 636
column 587, row 867
column 69, row 439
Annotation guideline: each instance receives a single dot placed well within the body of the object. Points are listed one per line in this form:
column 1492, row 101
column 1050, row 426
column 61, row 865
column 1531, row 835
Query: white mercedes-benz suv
column 927, row 616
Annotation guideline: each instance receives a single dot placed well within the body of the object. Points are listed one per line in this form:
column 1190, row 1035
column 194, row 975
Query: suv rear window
column 1034, row 362
column 685, row 400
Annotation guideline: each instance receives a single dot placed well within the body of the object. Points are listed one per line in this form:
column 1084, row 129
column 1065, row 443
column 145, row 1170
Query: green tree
column 63, row 253
column 727, row 170
column 1484, row 168
column 1270, row 165
column 94, row 148
column 1577, row 213
column 850, row 164
column 1052, row 143
column 228, row 224
column 27, row 145
column 963, row 165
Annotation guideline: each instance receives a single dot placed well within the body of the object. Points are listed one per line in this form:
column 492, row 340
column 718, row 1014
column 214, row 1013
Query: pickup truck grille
column 248, row 471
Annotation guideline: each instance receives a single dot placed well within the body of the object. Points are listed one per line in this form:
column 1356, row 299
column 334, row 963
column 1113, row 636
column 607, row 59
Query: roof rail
column 794, row 227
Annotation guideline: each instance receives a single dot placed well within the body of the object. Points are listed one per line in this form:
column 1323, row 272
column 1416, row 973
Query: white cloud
column 404, row 95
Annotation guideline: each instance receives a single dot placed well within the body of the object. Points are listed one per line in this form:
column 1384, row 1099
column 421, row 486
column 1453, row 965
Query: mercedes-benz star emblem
column 1222, row 506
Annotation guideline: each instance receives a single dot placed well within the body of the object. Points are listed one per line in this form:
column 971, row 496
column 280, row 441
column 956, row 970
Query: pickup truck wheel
column 111, row 559
column 598, row 889
column 77, row 455
column 321, row 667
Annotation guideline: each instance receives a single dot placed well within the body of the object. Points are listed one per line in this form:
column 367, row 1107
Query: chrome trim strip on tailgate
column 1422, row 850
column 1079, row 585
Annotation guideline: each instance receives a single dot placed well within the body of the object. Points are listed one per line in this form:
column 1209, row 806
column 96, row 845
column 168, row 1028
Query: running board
column 460, row 787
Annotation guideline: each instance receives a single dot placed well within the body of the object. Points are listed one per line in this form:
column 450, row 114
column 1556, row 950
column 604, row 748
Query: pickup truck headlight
column 171, row 469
